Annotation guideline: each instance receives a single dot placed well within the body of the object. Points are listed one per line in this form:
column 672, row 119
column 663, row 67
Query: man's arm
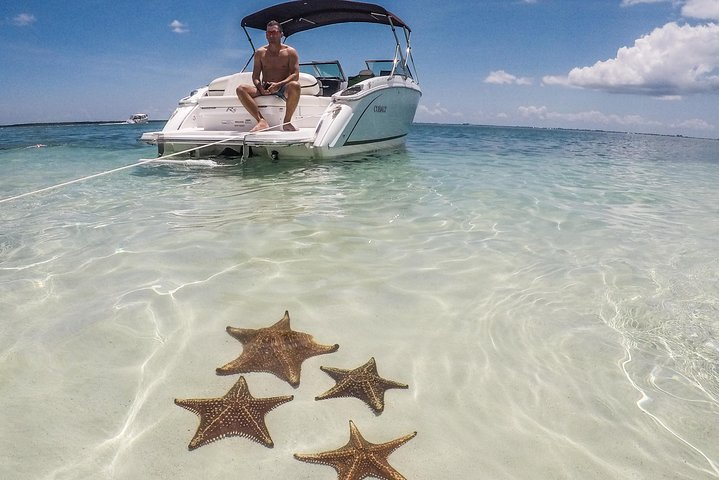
column 257, row 71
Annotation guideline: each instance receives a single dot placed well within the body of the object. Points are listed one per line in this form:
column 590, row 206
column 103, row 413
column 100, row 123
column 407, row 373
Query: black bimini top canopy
column 301, row 15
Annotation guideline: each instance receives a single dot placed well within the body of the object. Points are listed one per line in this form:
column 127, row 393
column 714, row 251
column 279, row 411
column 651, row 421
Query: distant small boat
column 138, row 118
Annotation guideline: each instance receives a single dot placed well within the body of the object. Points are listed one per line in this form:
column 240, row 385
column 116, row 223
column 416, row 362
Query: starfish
column 363, row 382
column 359, row 458
column 237, row 413
column 277, row 349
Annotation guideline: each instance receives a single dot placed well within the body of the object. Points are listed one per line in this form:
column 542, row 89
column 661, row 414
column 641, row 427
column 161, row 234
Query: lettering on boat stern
column 380, row 109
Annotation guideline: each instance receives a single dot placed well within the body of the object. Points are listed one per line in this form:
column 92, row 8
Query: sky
column 647, row 66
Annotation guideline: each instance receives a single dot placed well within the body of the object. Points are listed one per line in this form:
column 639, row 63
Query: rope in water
column 136, row 164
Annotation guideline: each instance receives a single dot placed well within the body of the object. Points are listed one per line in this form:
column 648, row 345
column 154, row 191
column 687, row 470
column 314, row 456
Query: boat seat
column 362, row 75
column 228, row 84
column 229, row 101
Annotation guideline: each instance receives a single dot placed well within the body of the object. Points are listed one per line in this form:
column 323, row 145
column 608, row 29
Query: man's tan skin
column 276, row 65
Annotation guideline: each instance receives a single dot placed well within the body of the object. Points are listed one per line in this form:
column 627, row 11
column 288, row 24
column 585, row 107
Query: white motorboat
column 138, row 118
column 336, row 115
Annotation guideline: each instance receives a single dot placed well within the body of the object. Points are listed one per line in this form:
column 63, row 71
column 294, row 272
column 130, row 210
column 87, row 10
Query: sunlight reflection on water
column 549, row 297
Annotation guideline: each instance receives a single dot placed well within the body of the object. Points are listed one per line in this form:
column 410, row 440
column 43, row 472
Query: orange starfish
column 237, row 413
column 277, row 349
column 363, row 382
column 359, row 458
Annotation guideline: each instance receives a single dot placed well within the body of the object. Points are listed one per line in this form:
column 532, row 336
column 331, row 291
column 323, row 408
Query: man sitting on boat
column 276, row 71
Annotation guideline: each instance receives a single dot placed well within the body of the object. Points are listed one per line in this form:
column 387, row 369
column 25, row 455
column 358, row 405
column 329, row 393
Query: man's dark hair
column 274, row 22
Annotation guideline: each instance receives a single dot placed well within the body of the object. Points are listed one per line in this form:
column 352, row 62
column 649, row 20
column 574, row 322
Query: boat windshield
column 323, row 69
column 382, row 68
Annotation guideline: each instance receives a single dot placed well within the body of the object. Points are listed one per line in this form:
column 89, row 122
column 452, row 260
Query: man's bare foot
column 261, row 125
column 289, row 128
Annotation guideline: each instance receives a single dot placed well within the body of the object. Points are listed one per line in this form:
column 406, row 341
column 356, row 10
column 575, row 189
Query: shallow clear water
column 550, row 297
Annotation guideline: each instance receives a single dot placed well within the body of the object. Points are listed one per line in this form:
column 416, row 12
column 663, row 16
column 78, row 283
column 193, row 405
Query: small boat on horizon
column 336, row 116
column 138, row 118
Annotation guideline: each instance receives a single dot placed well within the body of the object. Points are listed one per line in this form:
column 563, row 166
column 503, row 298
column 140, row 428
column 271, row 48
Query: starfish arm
column 242, row 364
column 356, row 439
column 241, row 393
column 380, row 468
column 291, row 350
column 373, row 396
column 284, row 322
column 266, row 405
column 357, row 388
column 343, row 460
column 356, row 470
column 247, row 363
column 247, row 335
column 244, row 335
column 238, row 391
column 193, row 405
column 209, row 429
column 377, row 458
column 334, row 392
column 305, row 346
column 376, row 389
column 337, row 374
column 253, row 424
column 387, row 384
column 327, row 458
column 389, row 447
column 370, row 370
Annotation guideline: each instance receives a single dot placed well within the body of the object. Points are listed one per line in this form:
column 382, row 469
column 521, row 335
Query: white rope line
column 77, row 180
column 142, row 162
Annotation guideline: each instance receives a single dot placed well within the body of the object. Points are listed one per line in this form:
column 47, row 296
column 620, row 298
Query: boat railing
column 400, row 58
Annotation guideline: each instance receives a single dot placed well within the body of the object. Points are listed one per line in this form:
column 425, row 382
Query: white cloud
column 533, row 112
column 704, row 9
column 592, row 118
column 694, row 124
column 542, row 116
column 24, row 19
column 671, row 60
column 500, row 77
column 629, row 3
column 437, row 111
column 179, row 27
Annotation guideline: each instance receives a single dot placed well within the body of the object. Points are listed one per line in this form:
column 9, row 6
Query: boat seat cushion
column 229, row 101
column 309, row 84
column 362, row 75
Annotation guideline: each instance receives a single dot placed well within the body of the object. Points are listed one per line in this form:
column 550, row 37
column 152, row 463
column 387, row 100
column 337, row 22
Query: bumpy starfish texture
column 277, row 349
column 237, row 413
column 359, row 458
column 363, row 382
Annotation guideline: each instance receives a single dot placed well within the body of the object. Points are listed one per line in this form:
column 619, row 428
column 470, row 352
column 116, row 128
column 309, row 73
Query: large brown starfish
column 237, row 413
column 359, row 458
column 363, row 382
column 277, row 349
